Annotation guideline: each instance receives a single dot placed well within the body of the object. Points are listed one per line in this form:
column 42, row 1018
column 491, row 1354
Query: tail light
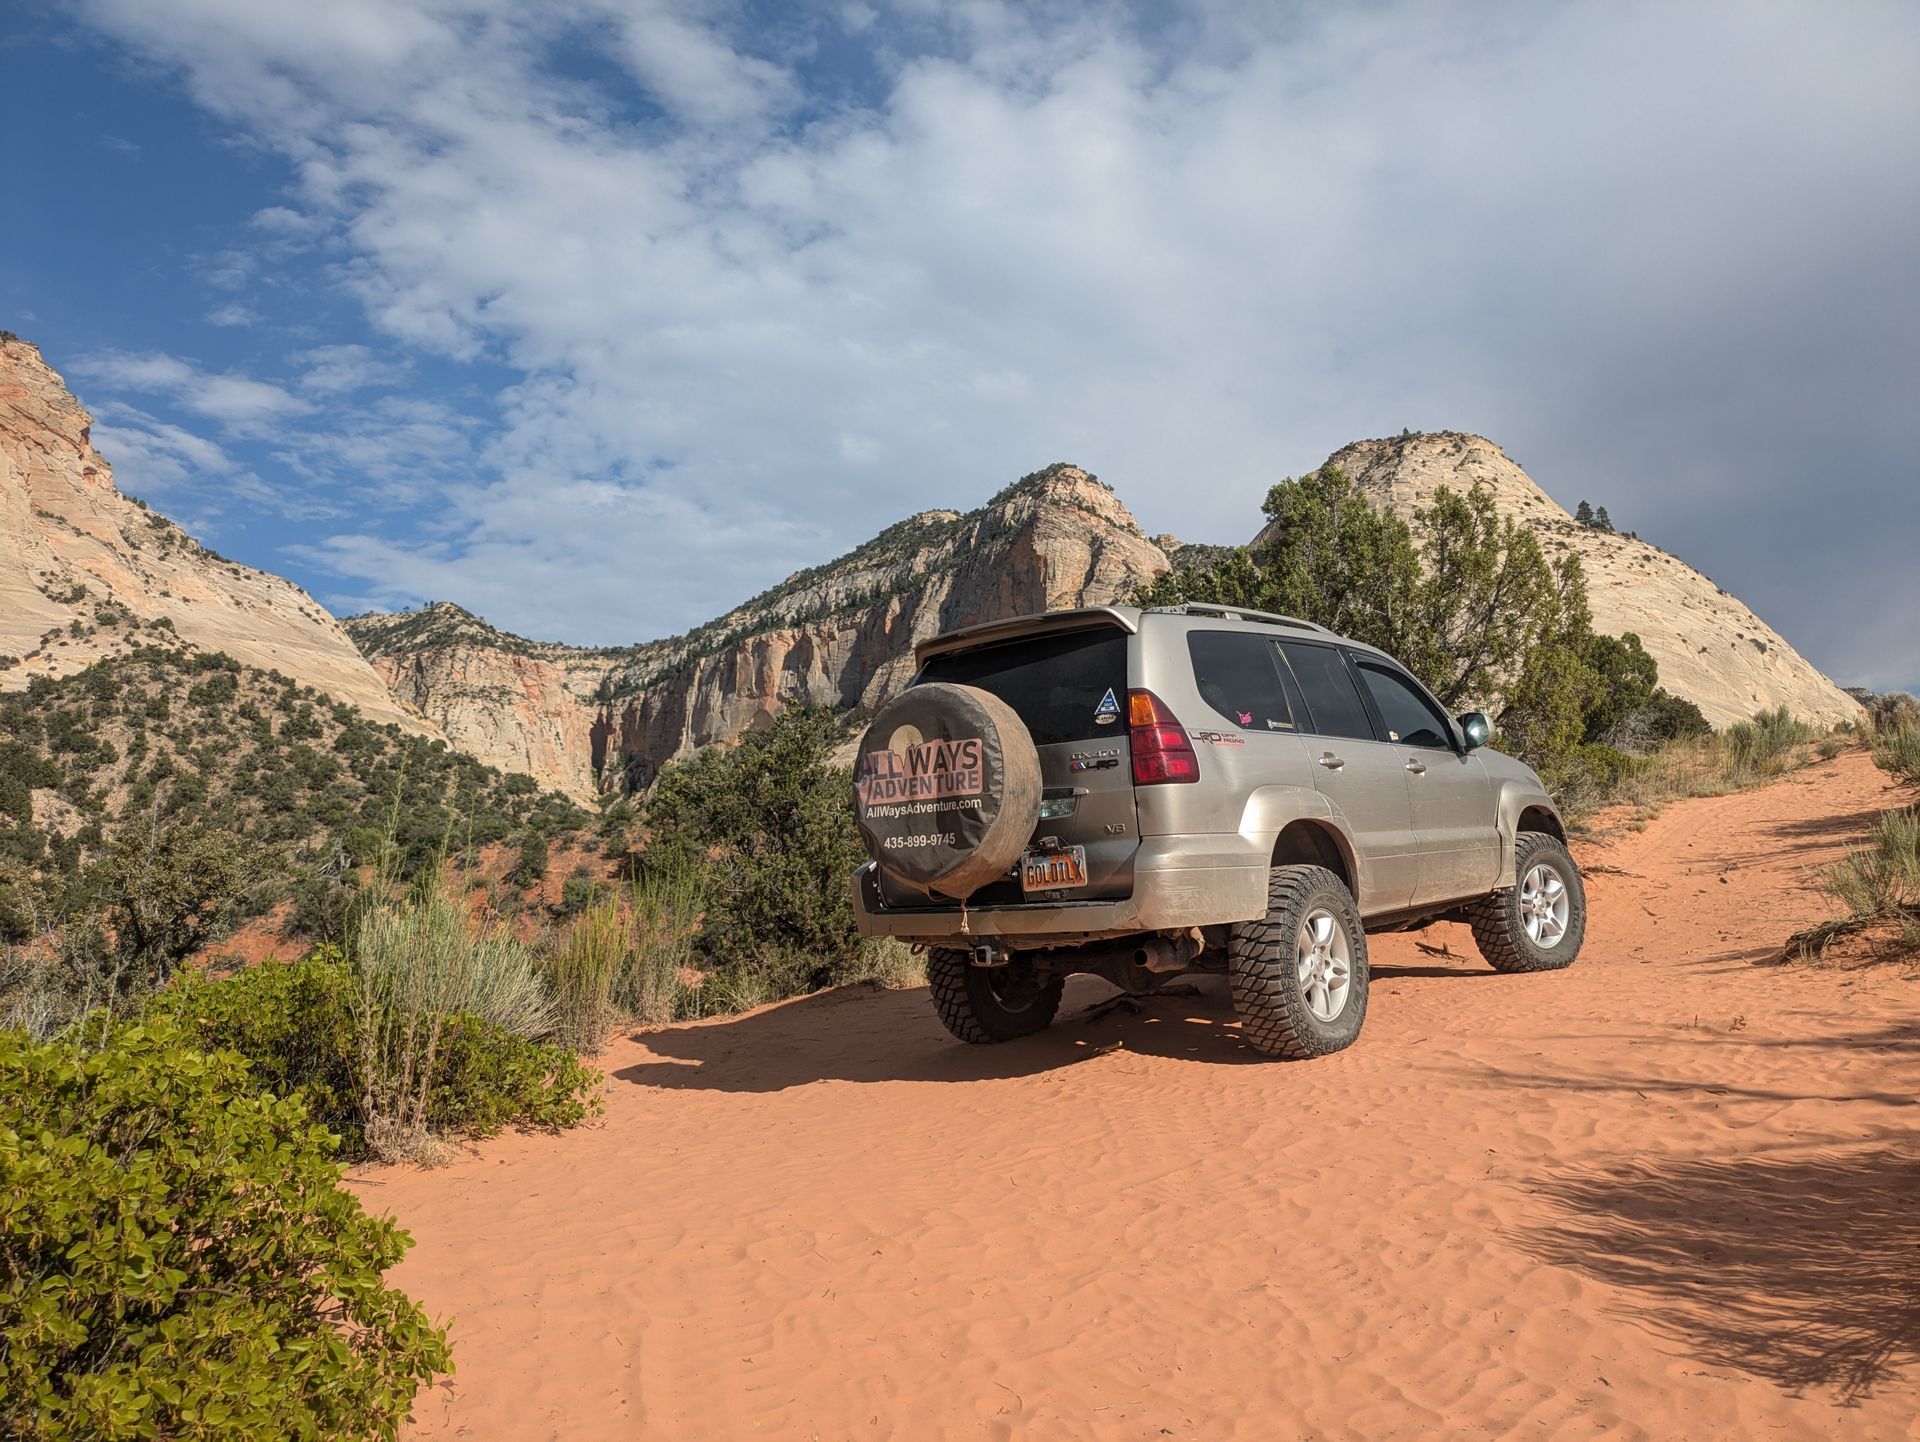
column 1161, row 751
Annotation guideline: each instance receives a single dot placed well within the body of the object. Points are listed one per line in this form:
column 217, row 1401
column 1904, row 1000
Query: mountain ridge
column 72, row 544
column 839, row 634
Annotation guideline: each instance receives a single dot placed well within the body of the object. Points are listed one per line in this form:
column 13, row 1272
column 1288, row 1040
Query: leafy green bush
column 576, row 895
column 1667, row 717
column 769, row 825
column 532, row 865
column 486, row 1078
column 293, row 1023
column 178, row 1259
column 297, row 1025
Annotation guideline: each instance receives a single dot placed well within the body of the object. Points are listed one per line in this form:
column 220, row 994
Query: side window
column 1334, row 704
column 1408, row 716
column 1236, row 675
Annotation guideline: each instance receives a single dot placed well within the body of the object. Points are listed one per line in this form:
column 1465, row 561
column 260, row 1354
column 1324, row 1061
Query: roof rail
column 1245, row 613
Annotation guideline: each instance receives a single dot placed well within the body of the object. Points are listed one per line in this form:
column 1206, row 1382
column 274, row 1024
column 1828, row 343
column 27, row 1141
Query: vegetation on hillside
column 1468, row 600
column 154, row 798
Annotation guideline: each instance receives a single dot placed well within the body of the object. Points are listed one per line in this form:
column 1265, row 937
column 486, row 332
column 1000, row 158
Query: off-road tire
column 1499, row 919
column 1262, row 967
column 968, row 1000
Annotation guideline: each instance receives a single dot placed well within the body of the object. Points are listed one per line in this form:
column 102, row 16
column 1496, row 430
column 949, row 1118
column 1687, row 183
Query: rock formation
column 71, row 544
column 1712, row 649
column 842, row 634
column 839, row 635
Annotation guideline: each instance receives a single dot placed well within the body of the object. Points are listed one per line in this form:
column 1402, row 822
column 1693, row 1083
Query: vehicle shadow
column 899, row 1039
column 1799, row 1269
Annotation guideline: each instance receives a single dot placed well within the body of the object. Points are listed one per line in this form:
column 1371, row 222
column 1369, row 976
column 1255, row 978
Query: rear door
column 1365, row 781
column 1070, row 687
column 1453, row 812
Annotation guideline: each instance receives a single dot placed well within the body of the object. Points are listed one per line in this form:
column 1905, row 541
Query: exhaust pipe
column 1169, row 953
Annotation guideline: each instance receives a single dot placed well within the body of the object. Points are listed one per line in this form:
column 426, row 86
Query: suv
column 1139, row 794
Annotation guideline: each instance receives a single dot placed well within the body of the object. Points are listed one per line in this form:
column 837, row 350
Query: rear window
column 1056, row 682
column 1236, row 675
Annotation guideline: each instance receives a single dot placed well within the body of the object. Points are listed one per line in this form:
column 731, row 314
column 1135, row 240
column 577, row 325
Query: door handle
column 1418, row 768
column 1330, row 761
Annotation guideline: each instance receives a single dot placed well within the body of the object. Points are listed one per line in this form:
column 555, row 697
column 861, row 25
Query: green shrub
column 1764, row 745
column 486, row 1078
column 293, row 1023
column 532, row 865
column 768, row 823
column 1883, row 880
column 296, row 1024
column 1667, row 717
column 576, row 895
column 178, row 1259
column 419, row 965
column 1896, row 750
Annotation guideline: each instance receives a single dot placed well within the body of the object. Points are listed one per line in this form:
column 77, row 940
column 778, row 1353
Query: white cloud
column 1660, row 252
column 238, row 402
column 332, row 370
column 199, row 481
column 149, row 454
column 233, row 314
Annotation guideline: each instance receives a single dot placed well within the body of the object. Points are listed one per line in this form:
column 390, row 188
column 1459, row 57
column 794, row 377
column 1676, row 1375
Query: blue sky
column 599, row 318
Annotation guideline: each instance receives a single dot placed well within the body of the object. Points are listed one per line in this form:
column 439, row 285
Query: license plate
column 1053, row 870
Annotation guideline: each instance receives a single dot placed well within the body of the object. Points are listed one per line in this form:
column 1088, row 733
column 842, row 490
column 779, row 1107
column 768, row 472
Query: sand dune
column 1667, row 1194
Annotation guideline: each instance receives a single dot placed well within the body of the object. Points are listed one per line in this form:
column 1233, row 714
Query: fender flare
column 1271, row 809
column 1520, row 801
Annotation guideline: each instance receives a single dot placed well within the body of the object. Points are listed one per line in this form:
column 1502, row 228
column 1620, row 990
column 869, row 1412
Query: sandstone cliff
column 1712, row 649
column 70, row 543
column 840, row 635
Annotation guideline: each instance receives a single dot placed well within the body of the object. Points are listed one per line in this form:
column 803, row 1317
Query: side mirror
column 1476, row 728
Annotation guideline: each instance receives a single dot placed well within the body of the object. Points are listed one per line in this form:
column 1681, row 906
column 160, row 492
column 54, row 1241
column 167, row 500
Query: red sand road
column 1669, row 1193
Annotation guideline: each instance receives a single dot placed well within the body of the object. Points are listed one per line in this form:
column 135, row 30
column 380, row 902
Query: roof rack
column 1244, row 613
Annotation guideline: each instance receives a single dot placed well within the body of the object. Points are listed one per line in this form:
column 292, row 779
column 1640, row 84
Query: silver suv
column 1140, row 794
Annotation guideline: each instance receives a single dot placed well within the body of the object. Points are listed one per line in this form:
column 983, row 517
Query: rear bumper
column 1177, row 882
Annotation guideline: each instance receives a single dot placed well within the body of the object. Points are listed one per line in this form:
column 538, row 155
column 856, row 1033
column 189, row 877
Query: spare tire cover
column 947, row 788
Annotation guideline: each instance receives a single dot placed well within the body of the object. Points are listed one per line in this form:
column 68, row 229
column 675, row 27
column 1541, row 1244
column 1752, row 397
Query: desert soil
column 1673, row 1192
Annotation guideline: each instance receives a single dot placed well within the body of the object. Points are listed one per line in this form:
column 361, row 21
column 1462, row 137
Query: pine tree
column 1601, row 521
column 1583, row 513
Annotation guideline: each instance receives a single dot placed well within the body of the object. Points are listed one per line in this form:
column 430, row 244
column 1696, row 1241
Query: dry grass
column 657, row 979
column 1878, row 889
column 1896, row 750
column 581, row 972
column 1747, row 754
column 890, row 964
